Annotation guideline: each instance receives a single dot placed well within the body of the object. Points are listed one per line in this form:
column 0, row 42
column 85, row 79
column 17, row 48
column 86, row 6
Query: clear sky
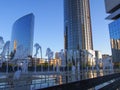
column 49, row 26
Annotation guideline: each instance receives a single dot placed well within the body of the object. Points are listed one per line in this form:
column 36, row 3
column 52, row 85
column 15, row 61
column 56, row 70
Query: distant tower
column 22, row 34
column 113, row 8
column 77, row 25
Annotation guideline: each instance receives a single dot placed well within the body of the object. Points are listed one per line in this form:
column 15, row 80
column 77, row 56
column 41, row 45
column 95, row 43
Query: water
column 44, row 81
column 41, row 80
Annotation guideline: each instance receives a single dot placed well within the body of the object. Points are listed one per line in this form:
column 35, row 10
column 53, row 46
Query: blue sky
column 49, row 26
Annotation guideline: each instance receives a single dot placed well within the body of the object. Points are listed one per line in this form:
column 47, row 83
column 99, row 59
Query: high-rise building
column 98, row 55
column 113, row 9
column 22, row 36
column 77, row 25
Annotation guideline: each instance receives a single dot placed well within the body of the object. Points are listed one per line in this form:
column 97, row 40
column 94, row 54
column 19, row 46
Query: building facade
column 113, row 9
column 98, row 58
column 98, row 55
column 22, row 36
column 77, row 25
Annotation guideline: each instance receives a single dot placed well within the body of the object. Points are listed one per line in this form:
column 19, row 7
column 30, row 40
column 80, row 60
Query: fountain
column 37, row 47
column 5, row 50
column 20, row 62
column 107, row 63
column 21, row 58
column 92, row 68
column 73, row 73
column 73, row 69
column 17, row 75
column 78, row 67
column 25, row 66
column 97, row 67
column 49, row 53
column 78, row 70
column 57, row 67
column 3, row 54
column 61, row 56
column 75, row 57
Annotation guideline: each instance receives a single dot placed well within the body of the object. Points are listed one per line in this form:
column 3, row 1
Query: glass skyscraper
column 114, row 29
column 113, row 8
column 77, row 25
column 22, row 36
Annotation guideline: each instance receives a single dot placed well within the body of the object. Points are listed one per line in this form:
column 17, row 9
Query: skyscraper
column 113, row 9
column 22, row 36
column 77, row 25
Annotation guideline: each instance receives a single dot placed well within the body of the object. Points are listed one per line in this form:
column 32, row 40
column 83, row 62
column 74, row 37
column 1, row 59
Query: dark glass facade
column 113, row 8
column 77, row 25
column 114, row 29
column 22, row 35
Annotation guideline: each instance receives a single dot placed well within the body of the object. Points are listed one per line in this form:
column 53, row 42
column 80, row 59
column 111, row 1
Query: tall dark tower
column 77, row 25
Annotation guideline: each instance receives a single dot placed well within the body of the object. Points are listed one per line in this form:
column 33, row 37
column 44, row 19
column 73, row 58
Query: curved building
column 22, row 36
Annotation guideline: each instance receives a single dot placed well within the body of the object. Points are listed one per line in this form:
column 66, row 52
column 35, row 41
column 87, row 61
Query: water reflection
column 51, row 80
column 38, row 81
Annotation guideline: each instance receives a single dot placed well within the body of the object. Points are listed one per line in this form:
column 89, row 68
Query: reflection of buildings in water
column 95, row 74
column 84, row 75
column 50, row 80
column 91, row 74
column 60, row 79
column 101, row 73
